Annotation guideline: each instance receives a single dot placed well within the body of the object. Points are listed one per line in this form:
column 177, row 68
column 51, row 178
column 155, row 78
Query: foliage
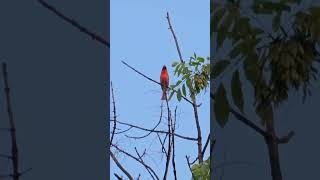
column 201, row 171
column 195, row 76
column 272, row 62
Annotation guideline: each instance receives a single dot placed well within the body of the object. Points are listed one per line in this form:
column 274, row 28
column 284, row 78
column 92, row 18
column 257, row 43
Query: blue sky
column 140, row 36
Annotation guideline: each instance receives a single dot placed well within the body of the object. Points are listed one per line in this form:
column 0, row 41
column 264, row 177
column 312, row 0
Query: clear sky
column 140, row 36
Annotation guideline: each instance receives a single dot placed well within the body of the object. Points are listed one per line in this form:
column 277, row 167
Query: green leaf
column 221, row 106
column 200, row 59
column 218, row 68
column 179, row 96
column 184, row 90
column 174, row 64
column 178, row 82
column 236, row 90
column 251, row 68
column 265, row 112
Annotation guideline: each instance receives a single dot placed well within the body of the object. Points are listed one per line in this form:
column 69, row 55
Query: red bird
column 164, row 80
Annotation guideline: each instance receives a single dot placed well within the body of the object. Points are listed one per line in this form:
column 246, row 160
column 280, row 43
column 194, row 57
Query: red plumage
column 164, row 80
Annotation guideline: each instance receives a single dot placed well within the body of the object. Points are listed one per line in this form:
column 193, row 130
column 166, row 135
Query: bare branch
column 157, row 131
column 248, row 123
column 140, row 157
column 175, row 38
column 14, row 146
column 75, row 24
column 120, row 166
column 189, row 165
column 137, row 159
column 169, row 142
column 114, row 114
column 117, row 176
column 173, row 126
column 140, row 137
column 285, row 139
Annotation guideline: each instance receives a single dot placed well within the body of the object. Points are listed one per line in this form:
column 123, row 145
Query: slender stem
column 120, row 166
column 175, row 38
column 14, row 148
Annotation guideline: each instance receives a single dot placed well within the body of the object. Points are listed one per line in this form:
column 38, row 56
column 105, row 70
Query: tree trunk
column 274, row 158
column 272, row 143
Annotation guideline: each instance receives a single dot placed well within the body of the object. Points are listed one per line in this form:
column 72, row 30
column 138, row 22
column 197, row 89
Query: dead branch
column 175, row 38
column 286, row 139
column 137, row 159
column 75, row 24
column 140, row 157
column 189, row 165
column 114, row 114
column 169, row 142
column 157, row 131
column 173, row 125
column 120, row 166
column 140, row 137
column 14, row 145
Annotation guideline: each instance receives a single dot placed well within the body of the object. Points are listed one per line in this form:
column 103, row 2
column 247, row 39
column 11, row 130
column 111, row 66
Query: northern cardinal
column 164, row 80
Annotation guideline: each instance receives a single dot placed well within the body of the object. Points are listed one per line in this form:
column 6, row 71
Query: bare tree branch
column 169, row 141
column 189, row 165
column 75, row 24
column 114, row 114
column 117, row 176
column 120, row 166
column 173, row 126
column 137, row 159
column 175, row 38
column 140, row 137
column 157, row 131
column 286, row 139
column 140, row 157
column 248, row 123
column 14, row 145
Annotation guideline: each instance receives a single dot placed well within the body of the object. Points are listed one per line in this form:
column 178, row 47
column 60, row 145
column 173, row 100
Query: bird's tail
column 164, row 95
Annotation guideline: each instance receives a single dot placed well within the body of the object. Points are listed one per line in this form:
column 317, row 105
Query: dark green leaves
column 218, row 68
column 236, row 90
column 201, row 171
column 221, row 106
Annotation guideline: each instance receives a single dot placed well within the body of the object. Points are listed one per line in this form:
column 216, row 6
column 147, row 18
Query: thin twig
column 14, row 148
column 189, row 165
column 137, row 159
column 175, row 38
column 74, row 23
column 169, row 142
column 173, row 126
column 114, row 114
column 140, row 137
column 140, row 157
column 120, row 166
column 157, row 131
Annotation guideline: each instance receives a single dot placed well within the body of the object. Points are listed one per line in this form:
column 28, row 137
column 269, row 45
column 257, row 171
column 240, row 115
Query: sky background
column 243, row 153
column 56, row 76
column 140, row 36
